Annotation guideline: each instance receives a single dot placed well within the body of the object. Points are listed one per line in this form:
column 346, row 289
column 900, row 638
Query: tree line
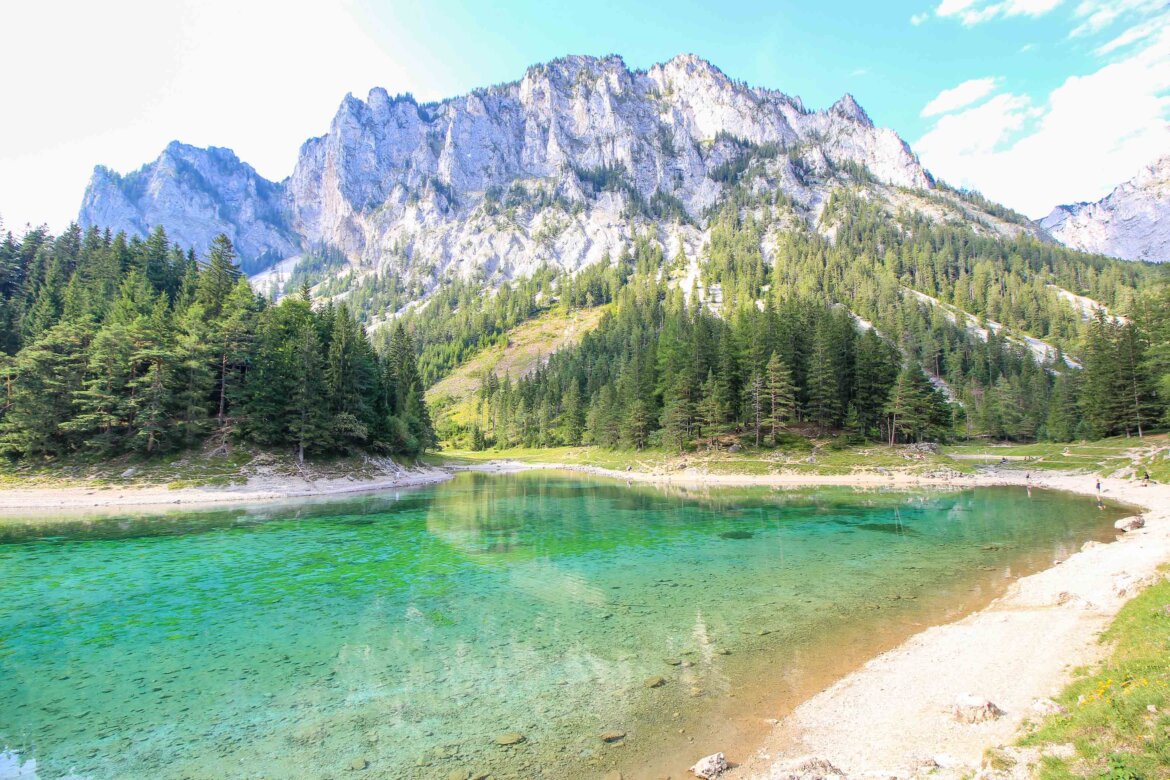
column 114, row 345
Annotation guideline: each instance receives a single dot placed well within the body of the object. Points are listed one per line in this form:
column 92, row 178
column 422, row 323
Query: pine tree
column 781, row 396
column 308, row 418
column 220, row 278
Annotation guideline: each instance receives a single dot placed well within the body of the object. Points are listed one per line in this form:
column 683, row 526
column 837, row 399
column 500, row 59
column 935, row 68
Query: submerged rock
column 657, row 681
column 511, row 738
column 974, row 709
column 736, row 535
column 612, row 736
column 358, row 764
column 710, row 766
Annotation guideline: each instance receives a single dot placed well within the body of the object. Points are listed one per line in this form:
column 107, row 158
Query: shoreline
column 103, row 499
column 892, row 717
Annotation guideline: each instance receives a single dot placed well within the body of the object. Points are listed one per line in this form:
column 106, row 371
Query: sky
column 1032, row 102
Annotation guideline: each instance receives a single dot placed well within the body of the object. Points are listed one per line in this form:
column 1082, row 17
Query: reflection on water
column 409, row 630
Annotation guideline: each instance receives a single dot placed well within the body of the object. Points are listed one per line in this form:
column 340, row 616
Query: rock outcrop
column 195, row 194
column 1132, row 222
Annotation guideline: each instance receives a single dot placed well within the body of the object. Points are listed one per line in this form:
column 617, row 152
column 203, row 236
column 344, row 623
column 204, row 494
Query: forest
column 875, row 326
column 829, row 338
column 115, row 345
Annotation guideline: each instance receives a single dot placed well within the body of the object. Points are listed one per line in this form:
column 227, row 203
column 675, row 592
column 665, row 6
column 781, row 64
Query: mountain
column 558, row 168
column 195, row 194
column 1132, row 222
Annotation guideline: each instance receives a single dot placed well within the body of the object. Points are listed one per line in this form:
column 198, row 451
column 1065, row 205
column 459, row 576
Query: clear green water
column 408, row 630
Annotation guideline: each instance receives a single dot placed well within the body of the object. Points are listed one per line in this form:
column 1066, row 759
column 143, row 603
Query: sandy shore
column 892, row 717
column 34, row 501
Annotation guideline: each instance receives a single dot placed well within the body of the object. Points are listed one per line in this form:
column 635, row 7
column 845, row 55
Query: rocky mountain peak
column 848, row 108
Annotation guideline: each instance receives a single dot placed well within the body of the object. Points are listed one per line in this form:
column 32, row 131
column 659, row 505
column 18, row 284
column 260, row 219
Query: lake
column 405, row 634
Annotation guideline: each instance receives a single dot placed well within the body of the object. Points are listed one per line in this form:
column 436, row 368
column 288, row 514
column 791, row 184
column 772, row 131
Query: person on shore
column 1098, row 487
column 1145, row 479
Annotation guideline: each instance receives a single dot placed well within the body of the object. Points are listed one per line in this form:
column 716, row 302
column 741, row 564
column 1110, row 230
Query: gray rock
column 974, row 709
column 657, row 681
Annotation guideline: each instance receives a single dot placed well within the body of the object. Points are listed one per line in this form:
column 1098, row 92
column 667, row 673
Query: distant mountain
column 558, row 168
column 1132, row 222
column 195, row 194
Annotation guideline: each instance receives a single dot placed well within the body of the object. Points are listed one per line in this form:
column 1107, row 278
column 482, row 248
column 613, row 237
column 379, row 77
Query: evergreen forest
column 115, row 345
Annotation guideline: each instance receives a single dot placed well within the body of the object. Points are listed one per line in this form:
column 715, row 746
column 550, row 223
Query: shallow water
column 408, row 630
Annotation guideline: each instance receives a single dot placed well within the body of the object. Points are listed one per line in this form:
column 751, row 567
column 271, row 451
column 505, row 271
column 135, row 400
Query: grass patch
column 1119, row 715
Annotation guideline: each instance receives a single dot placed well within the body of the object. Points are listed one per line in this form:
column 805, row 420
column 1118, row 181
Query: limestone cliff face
column 1132, row 222
column 195, row 194
column 558, row 167
column 392, row 177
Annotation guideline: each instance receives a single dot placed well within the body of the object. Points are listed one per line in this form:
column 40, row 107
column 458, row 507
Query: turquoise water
column 407, row 631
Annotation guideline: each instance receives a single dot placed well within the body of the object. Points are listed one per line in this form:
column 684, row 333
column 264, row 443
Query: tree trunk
column 222, row 385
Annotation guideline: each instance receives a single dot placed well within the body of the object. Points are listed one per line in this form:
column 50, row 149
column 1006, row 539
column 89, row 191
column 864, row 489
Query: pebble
column 657, row 681
column 358, row 764
column 612, row 736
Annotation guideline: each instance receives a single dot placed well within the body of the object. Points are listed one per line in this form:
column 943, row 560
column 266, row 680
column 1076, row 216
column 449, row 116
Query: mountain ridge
column 1132, row 222
column 394, row 180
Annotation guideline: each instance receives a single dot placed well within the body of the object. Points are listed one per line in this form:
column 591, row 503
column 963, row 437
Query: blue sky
column 1034, row 102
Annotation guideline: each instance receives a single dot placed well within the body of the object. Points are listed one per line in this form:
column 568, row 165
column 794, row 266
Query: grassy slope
column 529, row 344
column 1118, row 716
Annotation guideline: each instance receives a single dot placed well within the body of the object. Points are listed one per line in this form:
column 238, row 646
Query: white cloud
column 963, row 95
column 1091, row 133
column 971, row 12
column 918, row 19
column 257, row 76
column 859, row 72
column 1137, row 33
column 1099, row 14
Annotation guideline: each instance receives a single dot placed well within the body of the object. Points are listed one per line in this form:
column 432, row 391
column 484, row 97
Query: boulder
column 1130, row 523
column 710, row 766
column 974, row 709
column 1048, row 707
